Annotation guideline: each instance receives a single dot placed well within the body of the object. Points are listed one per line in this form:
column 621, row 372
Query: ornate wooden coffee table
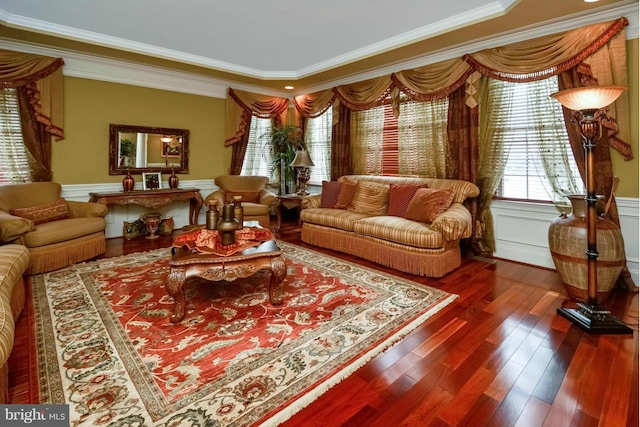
column 212, row 267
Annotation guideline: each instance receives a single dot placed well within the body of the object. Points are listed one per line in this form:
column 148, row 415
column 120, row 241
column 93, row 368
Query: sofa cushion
column 428, row 203
column 400, row 196
column 63, row 230
column 399, row 230
column 347, row 191
column 253, row 209
column 336, row 218
column 371, row 198
column 46, row 212
column 330, row 193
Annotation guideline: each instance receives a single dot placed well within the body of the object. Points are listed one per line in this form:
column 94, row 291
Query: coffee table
column 185, row 263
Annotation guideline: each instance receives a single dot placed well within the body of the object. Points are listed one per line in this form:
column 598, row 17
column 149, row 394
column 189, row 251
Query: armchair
column 256, row 199
column 56, row 232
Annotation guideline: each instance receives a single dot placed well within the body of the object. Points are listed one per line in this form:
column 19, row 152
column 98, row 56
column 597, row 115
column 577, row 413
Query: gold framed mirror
column 141, row 149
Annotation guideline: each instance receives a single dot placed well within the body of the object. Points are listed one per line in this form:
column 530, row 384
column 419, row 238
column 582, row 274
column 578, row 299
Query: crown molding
column 117, row 71
column 631, row 12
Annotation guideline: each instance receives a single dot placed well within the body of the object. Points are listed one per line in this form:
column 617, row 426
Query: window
column 258, row 159
column 413, row 144
column 540, row 164
column 318, row 139
column 14, row 165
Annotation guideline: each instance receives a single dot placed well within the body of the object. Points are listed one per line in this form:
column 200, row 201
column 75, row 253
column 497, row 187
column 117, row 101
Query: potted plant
column 284, row 142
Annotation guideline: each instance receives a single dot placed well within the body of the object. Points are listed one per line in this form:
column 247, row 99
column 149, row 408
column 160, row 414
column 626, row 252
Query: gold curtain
column 433, row 81
column 42, row 77
column 263, row 106
column 364, row 95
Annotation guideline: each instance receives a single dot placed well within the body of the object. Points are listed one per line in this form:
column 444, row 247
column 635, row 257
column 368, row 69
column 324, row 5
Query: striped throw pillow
column 371, row 198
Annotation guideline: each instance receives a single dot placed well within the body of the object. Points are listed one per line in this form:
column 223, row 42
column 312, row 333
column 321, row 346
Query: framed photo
column 152, row 181
column 171, row 149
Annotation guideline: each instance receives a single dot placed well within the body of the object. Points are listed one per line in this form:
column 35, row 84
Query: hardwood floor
column 498, row 356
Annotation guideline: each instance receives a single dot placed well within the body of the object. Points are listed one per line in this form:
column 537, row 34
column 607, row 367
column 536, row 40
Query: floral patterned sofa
column 410, row 224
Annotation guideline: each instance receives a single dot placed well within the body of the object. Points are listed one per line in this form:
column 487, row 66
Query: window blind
column 318, row 139
column 540, row 164
column 14, row 165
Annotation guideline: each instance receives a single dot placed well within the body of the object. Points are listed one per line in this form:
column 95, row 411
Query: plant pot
column 568, row 245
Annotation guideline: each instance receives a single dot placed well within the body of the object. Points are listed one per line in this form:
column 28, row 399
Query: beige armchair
column 256, row 199
column 56, row 232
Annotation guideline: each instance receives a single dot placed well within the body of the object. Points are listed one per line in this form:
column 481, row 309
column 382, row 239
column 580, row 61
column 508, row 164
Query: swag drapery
column 596, row 53
column 38, row 84
column 240, row 107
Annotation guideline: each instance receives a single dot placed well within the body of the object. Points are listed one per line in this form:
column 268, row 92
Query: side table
column 289, row 201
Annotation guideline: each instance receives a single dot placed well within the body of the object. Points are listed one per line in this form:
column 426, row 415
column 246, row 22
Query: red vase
column 128, row 182
column 173, row 180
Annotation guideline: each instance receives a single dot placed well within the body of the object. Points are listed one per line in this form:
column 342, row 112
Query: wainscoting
column 521, row 231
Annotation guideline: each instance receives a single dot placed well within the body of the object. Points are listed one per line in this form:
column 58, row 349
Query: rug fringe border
column 299, row 404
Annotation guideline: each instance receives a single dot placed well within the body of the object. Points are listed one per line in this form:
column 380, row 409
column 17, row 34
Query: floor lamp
column 586, row 101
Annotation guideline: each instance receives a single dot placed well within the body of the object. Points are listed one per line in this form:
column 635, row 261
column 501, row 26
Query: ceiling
column 276, row 42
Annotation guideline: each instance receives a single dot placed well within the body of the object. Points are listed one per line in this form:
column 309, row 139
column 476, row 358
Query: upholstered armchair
column 56, row 232
column 256, row 199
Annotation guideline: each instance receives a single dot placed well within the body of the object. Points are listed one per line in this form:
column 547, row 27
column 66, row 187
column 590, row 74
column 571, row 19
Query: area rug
column 107, row 348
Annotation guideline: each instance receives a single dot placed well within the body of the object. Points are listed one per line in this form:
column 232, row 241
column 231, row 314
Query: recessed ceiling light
column 590, row 1
column 288, row 87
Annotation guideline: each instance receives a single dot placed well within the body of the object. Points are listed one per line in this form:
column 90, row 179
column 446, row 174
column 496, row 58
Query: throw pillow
column 371, row 198
column 46, row 212
column 347, row 191
column 428, row 203
column 330, row 193
column 399, row 197
column 247, row 195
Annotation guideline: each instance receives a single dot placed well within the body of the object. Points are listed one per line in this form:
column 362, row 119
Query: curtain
column 341, row 145
column 367, row 131
column 38, row 82
column 239, row 103
column 422, row 138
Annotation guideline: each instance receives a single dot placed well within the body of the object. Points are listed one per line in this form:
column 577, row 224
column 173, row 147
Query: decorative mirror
column 141, row 149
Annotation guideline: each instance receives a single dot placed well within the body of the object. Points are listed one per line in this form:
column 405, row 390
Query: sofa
column 14, row 260
column 257, row 200
column 417, row 231
column 56, row 232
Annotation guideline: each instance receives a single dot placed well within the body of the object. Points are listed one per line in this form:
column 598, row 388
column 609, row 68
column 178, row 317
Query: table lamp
column 302, row 162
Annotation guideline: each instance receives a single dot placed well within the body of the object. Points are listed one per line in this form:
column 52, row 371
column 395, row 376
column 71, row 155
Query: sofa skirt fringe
column 423, row 262
column 61, row 255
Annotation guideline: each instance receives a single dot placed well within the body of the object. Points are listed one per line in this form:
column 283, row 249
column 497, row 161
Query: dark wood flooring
column 498, row 356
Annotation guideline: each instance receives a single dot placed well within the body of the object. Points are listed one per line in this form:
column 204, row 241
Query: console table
column 153, row 199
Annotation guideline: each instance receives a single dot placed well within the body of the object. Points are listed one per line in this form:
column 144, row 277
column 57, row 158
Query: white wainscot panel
column 521, row 231
column 117, row 215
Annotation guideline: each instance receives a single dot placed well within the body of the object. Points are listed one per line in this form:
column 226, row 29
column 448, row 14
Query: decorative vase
column 173, row 180
column 128, row 182
column 212, row 215
column 227, row 226
column 166, row 226
column 152, row 221
column 568, row 245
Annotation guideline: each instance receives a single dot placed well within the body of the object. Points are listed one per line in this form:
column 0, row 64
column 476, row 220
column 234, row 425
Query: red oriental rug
column 107, row 348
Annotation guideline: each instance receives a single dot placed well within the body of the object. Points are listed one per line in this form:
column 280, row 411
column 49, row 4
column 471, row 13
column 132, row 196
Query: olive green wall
column 91, row 105
column 629, row 170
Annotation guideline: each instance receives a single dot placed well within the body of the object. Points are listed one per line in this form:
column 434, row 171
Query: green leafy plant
column 284, row 141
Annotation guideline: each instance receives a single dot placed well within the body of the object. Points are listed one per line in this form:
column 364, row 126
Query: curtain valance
column 242, row 105
column 41, row 76
column 546, row 56
column 366, row 94
column 433, row 81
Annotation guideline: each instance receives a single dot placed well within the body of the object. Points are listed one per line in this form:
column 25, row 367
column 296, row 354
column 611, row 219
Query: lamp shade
column 302, row 159
column 588, row 98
